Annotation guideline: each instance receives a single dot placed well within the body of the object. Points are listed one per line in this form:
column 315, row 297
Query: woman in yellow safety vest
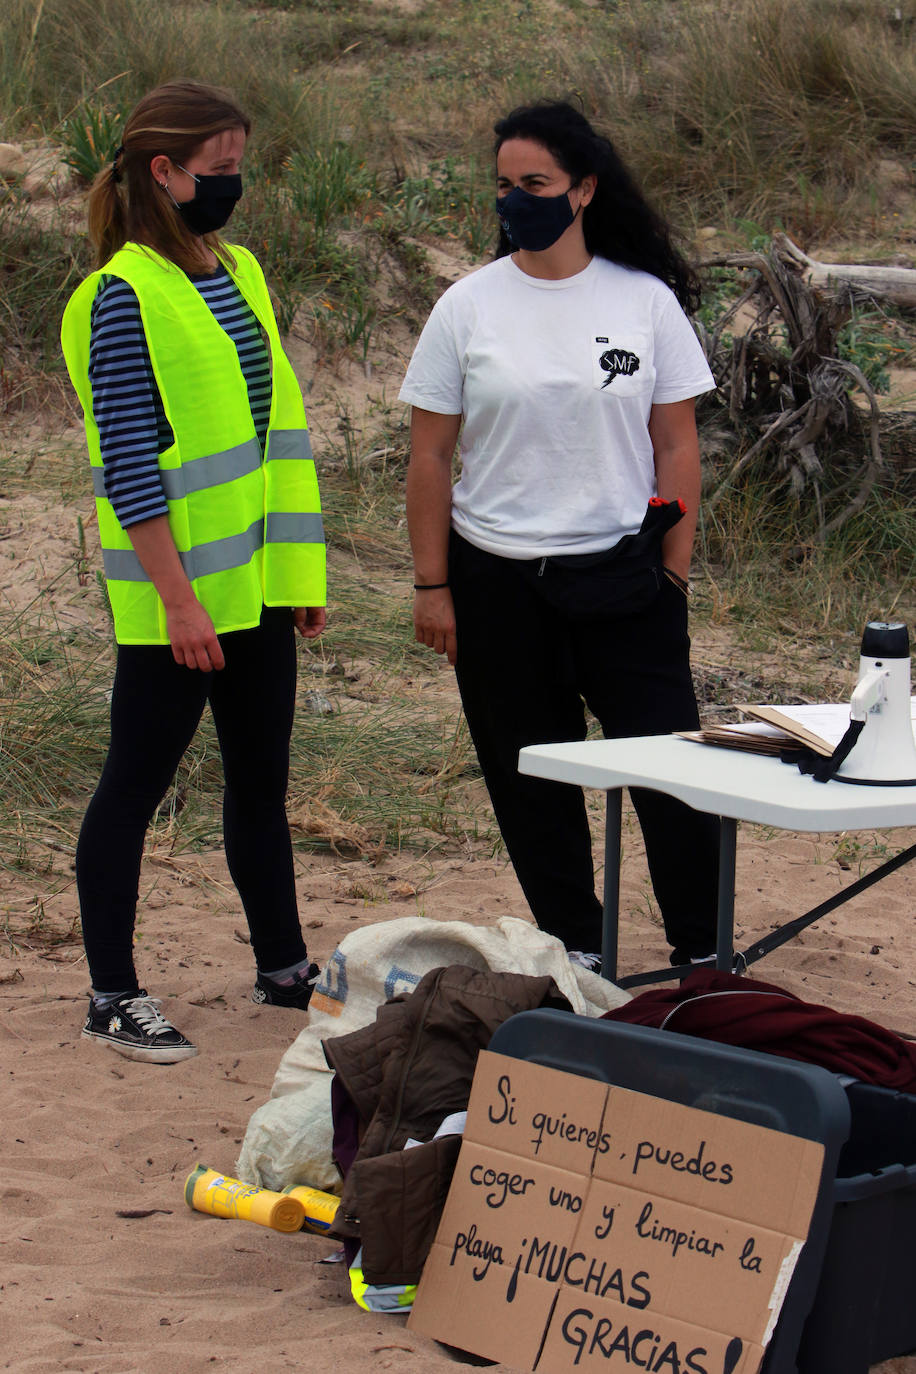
column 212, row 542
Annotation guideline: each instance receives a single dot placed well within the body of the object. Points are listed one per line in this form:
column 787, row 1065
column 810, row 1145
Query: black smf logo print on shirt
column 622, row 364
column 616, row 362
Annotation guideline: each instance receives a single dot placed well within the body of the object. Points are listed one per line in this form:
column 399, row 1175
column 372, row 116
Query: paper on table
column 751, row 736
column 821, row 725
column 778, row 729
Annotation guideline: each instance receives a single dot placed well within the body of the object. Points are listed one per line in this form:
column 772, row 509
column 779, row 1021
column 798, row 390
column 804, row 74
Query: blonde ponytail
column 107, row 216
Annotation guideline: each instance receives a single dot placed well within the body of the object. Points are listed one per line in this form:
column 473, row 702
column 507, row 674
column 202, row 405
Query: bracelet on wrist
column 429, row 586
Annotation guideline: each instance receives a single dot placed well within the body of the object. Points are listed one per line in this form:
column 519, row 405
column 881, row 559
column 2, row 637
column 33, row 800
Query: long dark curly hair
column 618, row 222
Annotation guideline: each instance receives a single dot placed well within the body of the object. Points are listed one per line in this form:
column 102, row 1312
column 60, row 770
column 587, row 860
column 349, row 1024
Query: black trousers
column 156, row 707
column 523, row 671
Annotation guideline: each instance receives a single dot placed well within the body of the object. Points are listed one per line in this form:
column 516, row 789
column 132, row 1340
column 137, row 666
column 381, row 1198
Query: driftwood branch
column 787, row 418
column 827, row 279
column 895, row 284
column 875, row 460
column 783, row 378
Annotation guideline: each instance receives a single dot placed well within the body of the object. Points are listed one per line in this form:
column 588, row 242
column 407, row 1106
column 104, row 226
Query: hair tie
column 115, row 174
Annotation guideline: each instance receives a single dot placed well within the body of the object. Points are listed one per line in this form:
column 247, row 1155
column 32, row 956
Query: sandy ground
column 105, row 1267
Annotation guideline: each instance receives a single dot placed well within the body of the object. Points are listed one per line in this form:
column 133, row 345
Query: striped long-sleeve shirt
column 133, row 429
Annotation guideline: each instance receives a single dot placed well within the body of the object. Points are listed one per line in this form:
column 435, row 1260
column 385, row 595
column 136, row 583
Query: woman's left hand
column 310, row 620
column 673, row 431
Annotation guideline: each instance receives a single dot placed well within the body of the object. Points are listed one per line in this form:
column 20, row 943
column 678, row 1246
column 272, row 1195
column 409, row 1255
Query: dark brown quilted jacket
column 404, row 1075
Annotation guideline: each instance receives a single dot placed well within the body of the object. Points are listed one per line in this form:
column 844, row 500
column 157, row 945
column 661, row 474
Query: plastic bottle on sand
column 207, row 1191
column 320, row 1208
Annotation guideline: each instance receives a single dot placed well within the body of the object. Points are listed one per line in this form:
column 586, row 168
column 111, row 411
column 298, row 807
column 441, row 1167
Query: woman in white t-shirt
column 569, row 370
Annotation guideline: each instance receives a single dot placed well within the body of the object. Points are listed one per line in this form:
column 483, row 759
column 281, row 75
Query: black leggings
column 156, row 706
column 523, row 670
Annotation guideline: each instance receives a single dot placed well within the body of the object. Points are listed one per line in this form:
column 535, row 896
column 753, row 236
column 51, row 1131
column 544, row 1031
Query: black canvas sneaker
column 298, row 993
column 134, row 1026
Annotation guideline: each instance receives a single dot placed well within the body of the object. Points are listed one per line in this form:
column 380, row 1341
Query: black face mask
column 534, row 222
column 213, row 202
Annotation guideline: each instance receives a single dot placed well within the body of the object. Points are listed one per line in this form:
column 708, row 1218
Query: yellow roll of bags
column 320, row 1208
column 207, row 1191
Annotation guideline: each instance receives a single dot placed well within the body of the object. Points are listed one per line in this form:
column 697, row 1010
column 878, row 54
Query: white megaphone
column 884, row 752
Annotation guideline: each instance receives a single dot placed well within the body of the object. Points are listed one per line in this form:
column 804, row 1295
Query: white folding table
column 734, row 786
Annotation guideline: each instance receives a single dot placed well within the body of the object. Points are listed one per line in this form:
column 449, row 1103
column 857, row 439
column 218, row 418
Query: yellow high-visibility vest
column 247, row 526
column 379, row 1297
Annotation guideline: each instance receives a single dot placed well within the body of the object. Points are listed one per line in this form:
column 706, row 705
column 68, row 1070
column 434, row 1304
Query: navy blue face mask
column 534, row 222
column 213, row 202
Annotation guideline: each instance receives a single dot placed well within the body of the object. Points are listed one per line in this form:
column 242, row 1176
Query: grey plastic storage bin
column 852, row 1299
column 865, row 1306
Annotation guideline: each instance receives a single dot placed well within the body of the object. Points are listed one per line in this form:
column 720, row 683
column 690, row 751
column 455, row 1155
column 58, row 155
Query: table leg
column 725, row 927
column 611, row 917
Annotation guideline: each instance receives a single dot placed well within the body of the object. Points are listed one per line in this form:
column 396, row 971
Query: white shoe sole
column 165, row 1054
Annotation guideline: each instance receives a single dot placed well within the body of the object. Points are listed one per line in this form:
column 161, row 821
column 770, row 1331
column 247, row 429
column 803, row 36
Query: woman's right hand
column 434, row 621
column 192, row 636
column 188, row 626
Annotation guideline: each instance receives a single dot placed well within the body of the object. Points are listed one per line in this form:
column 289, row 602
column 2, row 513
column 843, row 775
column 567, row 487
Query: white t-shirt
column 555, row 381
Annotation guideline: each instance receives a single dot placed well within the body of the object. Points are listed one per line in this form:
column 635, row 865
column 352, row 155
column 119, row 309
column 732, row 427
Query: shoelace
column 149, row 1018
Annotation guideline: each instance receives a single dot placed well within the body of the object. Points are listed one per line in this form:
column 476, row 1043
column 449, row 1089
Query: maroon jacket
column 740, row 1011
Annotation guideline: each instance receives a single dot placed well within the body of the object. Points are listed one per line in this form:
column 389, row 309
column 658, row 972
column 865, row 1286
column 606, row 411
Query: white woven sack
column 288, row 1139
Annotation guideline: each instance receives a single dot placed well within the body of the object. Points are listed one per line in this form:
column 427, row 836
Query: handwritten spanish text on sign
column 590, row 1227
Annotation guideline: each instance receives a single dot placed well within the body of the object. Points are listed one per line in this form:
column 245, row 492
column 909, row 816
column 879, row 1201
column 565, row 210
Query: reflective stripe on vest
column 199, row 473
column 379, row 1297
column 248, row 531
column 220, row 555
column 213, row 468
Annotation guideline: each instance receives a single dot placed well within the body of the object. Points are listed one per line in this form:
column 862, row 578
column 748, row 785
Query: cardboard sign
column 591, row 1228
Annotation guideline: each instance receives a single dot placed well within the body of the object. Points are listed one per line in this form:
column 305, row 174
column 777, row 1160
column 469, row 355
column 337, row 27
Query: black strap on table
column 823, row 769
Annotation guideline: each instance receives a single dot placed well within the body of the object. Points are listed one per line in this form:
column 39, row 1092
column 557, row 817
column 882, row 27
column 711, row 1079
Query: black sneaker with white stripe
column 297, row 993
column 134, row 1026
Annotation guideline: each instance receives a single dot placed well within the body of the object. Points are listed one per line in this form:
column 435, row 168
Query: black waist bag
column 620, row 581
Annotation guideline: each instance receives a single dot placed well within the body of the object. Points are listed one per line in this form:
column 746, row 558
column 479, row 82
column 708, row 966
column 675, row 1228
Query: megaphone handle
column 869, row 690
